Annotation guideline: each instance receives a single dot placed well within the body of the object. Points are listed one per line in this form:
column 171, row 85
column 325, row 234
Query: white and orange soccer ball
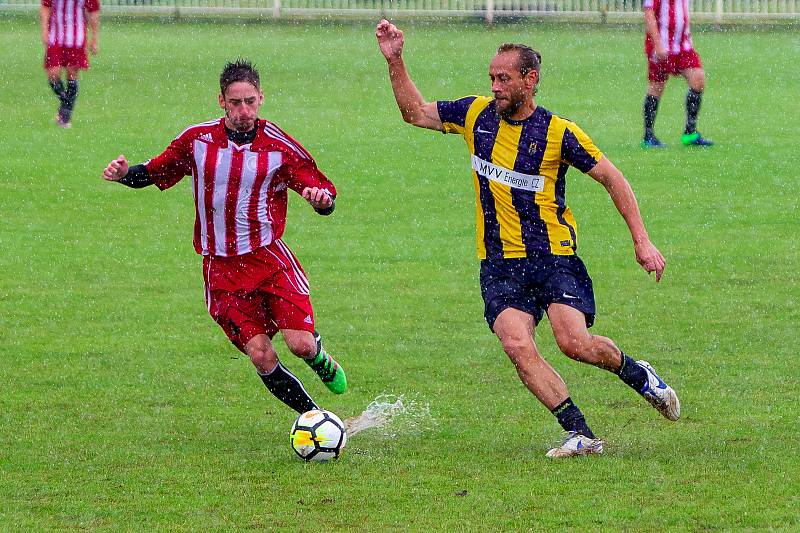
column 318, row 435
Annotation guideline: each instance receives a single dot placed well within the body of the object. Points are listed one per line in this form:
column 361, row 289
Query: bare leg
column 656, row 88
column 300, row 342
column 515, row 329
column 695, row 78
column 72, row 73
column 53, row 73
column 574, row 339
column 262, row 353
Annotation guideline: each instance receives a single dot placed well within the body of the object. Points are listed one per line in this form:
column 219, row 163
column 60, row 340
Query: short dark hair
column 529, row 59
column 239, row 70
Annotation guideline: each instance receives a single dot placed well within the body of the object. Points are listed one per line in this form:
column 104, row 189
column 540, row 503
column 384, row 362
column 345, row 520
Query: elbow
column 414, row 115
column 409, row 117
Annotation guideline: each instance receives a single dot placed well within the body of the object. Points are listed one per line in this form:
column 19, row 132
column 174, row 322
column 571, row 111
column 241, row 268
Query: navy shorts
column 531, row 284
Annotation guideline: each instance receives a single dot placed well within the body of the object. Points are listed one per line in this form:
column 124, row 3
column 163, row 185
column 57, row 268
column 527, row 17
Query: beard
column 241, row 124
column 511, row 106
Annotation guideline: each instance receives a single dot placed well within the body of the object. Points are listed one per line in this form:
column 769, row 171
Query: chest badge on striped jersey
column 251, row 160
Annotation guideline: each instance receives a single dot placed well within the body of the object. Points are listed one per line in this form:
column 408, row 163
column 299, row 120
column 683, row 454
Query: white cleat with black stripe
column 659, row 394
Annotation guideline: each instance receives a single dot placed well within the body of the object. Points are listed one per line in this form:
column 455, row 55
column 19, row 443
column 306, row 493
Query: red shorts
column 61, row 56
column 257, row 293
column 673, row 65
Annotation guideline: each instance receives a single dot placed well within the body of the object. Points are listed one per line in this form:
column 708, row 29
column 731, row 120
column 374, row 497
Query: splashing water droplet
column 392, row 413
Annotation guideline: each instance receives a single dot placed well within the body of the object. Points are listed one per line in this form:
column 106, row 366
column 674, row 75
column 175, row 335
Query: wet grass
column 124, row 407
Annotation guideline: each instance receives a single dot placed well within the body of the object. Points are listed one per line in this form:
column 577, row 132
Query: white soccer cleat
column 577, row 444
column 659, row 394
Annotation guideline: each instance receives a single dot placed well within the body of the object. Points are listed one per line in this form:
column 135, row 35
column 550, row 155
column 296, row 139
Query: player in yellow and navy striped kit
column 526, row 233
column 519, row 168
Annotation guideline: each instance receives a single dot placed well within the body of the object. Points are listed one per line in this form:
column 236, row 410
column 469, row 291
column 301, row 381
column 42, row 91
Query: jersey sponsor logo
column 517, row 180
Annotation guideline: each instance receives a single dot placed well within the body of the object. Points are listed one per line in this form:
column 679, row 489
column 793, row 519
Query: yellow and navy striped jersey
column 519, row 169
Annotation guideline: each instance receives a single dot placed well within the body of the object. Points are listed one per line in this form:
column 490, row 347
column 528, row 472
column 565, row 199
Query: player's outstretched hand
column 318, row 198
column 390, row 39
column 650, row 258
column 116, row 169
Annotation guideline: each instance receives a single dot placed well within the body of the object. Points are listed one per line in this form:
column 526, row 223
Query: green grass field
column 124, row 407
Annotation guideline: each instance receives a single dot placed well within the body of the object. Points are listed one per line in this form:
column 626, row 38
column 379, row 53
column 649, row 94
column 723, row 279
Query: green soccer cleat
column 330, row 372
column 695, row 139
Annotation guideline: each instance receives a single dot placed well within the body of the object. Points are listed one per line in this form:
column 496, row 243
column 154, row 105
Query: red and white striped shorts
column 260, row 292
column 62, row 56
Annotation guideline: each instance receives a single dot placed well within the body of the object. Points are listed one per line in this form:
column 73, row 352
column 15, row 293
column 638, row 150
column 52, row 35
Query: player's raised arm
column 622, row 195
column 410, row 101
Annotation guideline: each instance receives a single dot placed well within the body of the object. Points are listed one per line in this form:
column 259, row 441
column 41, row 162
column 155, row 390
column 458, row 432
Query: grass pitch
column 123, row 405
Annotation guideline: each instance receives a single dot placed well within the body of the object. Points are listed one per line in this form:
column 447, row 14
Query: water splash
column 392, row 414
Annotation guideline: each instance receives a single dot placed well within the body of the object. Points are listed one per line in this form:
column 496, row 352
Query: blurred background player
column 241, row 167
column 526, row 233
column 670, row 52
column 64, row 38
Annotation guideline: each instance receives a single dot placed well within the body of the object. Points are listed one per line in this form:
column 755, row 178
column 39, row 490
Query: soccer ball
column 318, row 435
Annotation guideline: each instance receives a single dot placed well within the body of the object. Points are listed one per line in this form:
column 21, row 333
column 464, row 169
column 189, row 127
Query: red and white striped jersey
column 240, row 192
column 672, row 18
column 68, row 21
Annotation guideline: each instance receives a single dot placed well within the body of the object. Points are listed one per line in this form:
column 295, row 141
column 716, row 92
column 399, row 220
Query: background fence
column 586, row 10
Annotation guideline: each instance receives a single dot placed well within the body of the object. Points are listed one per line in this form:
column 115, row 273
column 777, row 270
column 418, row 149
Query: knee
column 698, row 82
column 302, row 346
column 656, row 89
column 264, row 358
column 517, row 347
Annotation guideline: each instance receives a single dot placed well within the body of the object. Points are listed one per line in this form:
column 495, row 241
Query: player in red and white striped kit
column 670, row 52
column 64, row 38
column 241, row 167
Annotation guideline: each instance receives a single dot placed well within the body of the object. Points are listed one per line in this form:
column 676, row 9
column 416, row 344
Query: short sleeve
column 648, row 4
column 578, row 150
column 453, row 114
column 47, row 3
